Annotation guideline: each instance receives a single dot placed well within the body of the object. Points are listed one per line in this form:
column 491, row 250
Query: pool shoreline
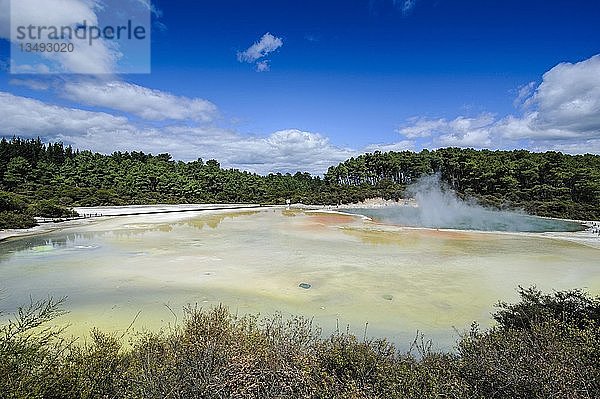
column 585, row 237
column 107, row 212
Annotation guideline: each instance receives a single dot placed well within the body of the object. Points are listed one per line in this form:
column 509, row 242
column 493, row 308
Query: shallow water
column 397, row 280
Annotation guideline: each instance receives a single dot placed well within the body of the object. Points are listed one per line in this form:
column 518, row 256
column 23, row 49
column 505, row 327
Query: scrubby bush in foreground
column 544, row 346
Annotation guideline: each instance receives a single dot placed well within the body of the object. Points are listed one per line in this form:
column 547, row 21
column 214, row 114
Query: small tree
column 17, row 172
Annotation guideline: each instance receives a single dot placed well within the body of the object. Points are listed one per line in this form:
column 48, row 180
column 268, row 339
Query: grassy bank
column 547, row 345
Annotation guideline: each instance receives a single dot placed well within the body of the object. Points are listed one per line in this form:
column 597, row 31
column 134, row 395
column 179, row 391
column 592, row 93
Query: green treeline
column 545, row 184
column 45, row 179
column 70, row 177
column 545, row 346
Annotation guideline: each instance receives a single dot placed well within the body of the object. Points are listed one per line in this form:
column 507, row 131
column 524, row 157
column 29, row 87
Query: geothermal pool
column 437, row 206
column 471, row 219
column 398, row 280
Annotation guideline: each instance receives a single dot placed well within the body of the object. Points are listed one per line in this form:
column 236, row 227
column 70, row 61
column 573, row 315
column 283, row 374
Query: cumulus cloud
column 263, row 66
column 475, row 139
column 30, row 69
column 30, row 83
column 259, row 50
column 421, row 127
column 524, row 93
column 27, row 117
column 266, row 45
column 101, row 58
column 460, row 132
column 146, row 103
column 569, row 98
column 562, row 113
column 282, row 151
column 579, row 147
column 287, row 150
column 404, row 145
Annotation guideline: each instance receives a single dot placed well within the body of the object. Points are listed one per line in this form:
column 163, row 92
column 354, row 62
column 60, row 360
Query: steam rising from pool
column 438, row 206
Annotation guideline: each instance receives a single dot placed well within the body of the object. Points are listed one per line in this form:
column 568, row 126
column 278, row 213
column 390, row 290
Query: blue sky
column 326, row 80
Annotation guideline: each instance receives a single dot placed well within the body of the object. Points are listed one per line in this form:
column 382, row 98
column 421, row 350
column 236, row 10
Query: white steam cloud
column 439, row 207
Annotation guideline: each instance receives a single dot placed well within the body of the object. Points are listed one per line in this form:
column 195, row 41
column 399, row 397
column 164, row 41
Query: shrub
column 547, row 345
column 573, row 307
column 32, row 354
column 10, row 202
column 50, row 209
column 13, row 220
column 215, row 354
column 13, row 213
column 548, row 360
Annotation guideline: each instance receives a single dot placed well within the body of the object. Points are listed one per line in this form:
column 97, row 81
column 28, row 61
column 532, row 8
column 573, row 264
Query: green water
column 475, row 218
column 398, row 281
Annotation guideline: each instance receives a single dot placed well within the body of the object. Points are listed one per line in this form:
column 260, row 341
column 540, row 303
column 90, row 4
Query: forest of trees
column 545, row 184
column 46, row 179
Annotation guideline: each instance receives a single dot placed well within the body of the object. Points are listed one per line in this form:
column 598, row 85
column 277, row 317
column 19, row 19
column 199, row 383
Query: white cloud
column 263, row 66
column 141, row 101
column 461, row 131
column 52, row 12
column 282, row 151
column 260, row 49
column 27, row 117
column 286, row 150
column 421, row 127
column 580, row 147
column 569, row 98
column 404, row 145
column 476, row 139
column 29, row 69
column 524, row 93
column 157, row 12
column 467, row 132
column 30, row 83
column 101, row 58
column 562, row 113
